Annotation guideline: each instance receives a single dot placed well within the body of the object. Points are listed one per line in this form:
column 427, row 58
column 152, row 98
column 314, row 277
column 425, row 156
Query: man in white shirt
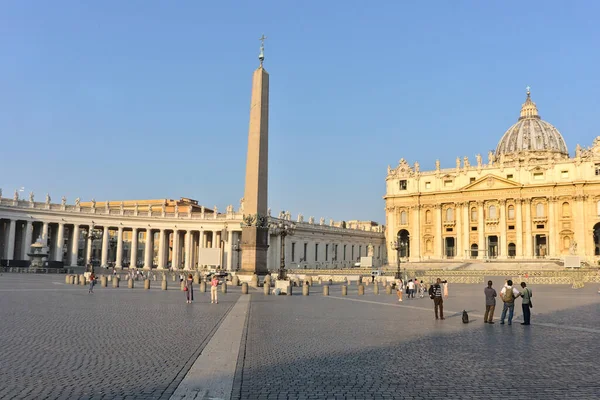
column 411, row 289
column 508, row 296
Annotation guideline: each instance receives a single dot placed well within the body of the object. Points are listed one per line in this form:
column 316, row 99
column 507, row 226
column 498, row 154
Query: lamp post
column 398, row 245
column 237, row 248
column 90, row 235
column 282, row 228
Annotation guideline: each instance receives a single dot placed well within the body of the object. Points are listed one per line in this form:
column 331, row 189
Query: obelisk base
column 254, row 250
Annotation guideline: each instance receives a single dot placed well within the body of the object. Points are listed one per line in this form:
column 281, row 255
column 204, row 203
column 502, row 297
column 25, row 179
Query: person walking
column 214, row 285
column 445, row 288
column 508, row 296
column 490, row 303
column 435, row 293
column 527, row 304
column 189, row 289
column 411, row 289
column 399, row 289
column 92, row 282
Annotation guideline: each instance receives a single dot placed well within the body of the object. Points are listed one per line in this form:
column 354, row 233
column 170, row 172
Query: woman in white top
column 399, row 288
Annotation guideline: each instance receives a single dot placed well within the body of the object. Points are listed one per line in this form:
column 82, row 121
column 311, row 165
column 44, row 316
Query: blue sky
column 150, row 99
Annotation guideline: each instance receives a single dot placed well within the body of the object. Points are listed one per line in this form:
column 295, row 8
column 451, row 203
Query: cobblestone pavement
column 56, row 341
column 372, row 347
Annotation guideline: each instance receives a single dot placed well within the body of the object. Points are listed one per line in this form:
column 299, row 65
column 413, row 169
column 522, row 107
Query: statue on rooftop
column 31, row 197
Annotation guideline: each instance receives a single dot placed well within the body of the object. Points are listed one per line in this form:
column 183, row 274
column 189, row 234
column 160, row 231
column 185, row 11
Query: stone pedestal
column 146, row 284
column 361, row 290
column 245, row 288
column 163, row 284
column 284, row 286
column 344, row 290
column 224, row 288
column 305, row 290
column 326, row 290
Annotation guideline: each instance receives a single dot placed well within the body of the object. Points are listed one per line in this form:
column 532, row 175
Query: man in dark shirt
column 490, row 303
column 438, row 300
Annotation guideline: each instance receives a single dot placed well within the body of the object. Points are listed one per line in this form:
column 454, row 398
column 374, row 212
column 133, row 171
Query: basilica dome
column 532, row 135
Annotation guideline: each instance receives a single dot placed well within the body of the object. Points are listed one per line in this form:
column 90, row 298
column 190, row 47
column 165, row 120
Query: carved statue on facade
column 77, row 202
column 417, row 167
column 150, row 209
column 578, row 151
column 136, row 208
column 63, row 201
column 322, row 221
column 164, row 207
column 242, row 205
column 389, row 169
column 288, row 216
column 478, row 158
column 437, row 165
column 176, row 208
column 458, row 162
column 331, row 222
column 107, row 206
column 300, row 218
column 230, row 209
column 268, row 212
column 48, row 198
column 490, row 158
column 121, row 206
column 215, row 211
column 16, row 196
column 311, row 220
column 31, row 197
column 370, row 250
column 466, row 162
column 93, row 203
column 202, row 210
column 573, row 248
column 281, row 214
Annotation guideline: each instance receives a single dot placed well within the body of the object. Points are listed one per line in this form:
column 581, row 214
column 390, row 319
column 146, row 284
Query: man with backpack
column 508, row 296
column 527, row 304
column 435, row 293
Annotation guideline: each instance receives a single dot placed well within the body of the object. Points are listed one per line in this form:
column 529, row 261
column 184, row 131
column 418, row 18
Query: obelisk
column 255, row 228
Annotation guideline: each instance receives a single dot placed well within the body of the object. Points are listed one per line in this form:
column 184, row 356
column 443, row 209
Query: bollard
column 245, row 288
column 309, row 280
column 330, row 282
column 254, row 280
column 202, row 287
column 235, row 281
column 103, row 281
column 130, row 284
column 344, row 290
column 320, row 281
column 76, row 281
column 68, row 279
column 182, row 286
column 110, row 278
column 361, row 290
column 163, row 284
column 196, row 278
column 224, row 288
column 388, row 289
column 266, row 290
column 305, row 290
column 376, row 288
column 267, row 281
column 326, row 290
column 82, row 280
column 73, row 277
column 174, row 278
column 385, row 283
column 146, row 284
column 115, row 282
column 366, row 284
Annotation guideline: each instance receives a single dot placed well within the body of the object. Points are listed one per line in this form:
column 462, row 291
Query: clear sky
column 150, row 99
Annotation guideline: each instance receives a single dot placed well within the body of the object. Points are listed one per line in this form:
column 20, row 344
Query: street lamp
column 398, row 245
column 237, row 248
column 282, row 228
column 90, row 235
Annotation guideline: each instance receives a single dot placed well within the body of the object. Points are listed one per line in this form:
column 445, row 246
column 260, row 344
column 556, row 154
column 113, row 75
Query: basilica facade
column 527, row 200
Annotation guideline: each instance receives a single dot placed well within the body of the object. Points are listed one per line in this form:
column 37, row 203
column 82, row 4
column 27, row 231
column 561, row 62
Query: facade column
column 88, row 244
column 415, row 242
column 75, row 246
column 391, row 236
column 60, row 242
column 188, row 248
column 27, row 238
column 519, row 227
column 134, row 248
column 580, row 227
column 119, row 256
column 439, row 252
column 104, row 253
column 503, row 240
column 229, row 251
column 45, row 234
column 481, row 231
column 148, row 250
column 458, row 222
column 552, row 240
column 467, row 232
column 10, row 245
column 215, row 242
column 161, row 249
column 527, row 253
column 176, row 250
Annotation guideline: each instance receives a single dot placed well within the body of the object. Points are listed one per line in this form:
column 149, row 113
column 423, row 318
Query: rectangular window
column 473, row 228
column 449, row 229
column 509, row 176
column 352, row 252
column 471, row 180
column 316, row 252
column 403, row 184
column 305, row 250
column 564, row 174
column 448, row 183
column 326, row 252
column 538, row 176
column 344, row 252
column 427, row 185
column 597, row 169
column 540, row 226
column 293, row 251
column 359, row 251
column 511, row 227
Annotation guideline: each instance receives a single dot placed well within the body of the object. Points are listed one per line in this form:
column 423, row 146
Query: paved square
column 56, row 341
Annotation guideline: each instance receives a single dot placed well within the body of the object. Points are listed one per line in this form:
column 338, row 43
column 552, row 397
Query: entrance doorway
column 449, row 247
column 541, row 247
column 474, row 251
column 597, row 239
column 512, row 250
column 493, row 246
column 404, row 242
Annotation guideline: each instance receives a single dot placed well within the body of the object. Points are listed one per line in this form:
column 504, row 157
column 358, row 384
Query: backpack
column 431, row 292
column 465, row 317
column 509, row 296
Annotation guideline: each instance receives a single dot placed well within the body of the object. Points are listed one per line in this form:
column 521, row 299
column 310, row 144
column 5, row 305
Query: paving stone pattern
column 58, row 342
column 348, row 349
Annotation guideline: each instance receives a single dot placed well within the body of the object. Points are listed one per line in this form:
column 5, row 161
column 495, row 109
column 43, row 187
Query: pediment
column 489, row 182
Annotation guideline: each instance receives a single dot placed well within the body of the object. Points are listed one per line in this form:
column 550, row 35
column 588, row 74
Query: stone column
column 60, row 241
column 45, row 234
column 519, row 227
column 215, row 243
column 230, row 251
column 528, row 251
column 176, row 250
column 161, row 249
column 119, row 256
column 415, row 241
column 27, row 239
column 457, row 229
column 391, row 236
column 104, row 256
column 467, row 230
column 503, row 240
column 88, row 244
column 75, row 245
column 134, row 247
column 481, row 230
column 552, row 240
column 148, row 250
column 188, row 250
column 10, row 244
column 439, row 248
column 579, row 228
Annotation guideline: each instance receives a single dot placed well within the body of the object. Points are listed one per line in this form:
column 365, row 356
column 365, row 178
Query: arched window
column 511, row 212
column 539, row 210
column 492, row 212
column 450, row 214
column 403, row 218
column 566, row 242
column 566, row 210
column 473, row 214
column 428, row 216
column 428, row 245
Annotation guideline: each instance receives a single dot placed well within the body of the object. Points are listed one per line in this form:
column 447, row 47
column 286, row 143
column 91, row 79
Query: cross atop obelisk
column 261, row 56
column 254, row 228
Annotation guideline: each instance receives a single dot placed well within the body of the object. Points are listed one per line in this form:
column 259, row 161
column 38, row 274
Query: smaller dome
column 532, row 134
